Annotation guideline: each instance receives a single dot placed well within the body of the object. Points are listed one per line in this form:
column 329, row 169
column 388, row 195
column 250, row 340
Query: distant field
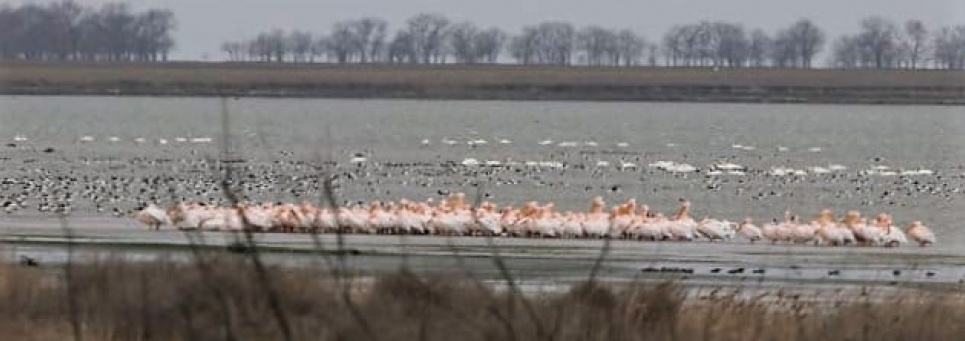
column 510, row 82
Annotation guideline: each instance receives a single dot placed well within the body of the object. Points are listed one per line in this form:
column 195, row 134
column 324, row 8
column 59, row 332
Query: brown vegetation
column 485, row 82
column 161, row 300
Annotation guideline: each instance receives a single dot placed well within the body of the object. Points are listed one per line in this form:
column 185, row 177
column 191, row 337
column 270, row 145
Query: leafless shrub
column 166, row 300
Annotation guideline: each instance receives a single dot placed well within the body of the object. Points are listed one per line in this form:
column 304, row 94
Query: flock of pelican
column 454, row 217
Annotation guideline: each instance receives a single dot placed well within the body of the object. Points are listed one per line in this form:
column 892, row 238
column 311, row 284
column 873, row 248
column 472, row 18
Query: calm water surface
column 416, row 150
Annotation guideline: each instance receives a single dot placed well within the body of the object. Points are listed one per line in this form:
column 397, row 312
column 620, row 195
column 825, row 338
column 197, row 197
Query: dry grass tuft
column 164, row 300
column 508, row 82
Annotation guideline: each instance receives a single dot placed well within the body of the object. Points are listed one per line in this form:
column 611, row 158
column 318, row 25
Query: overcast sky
column 204, row 24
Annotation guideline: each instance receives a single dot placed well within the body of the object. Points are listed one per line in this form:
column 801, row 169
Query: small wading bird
column 453, row 217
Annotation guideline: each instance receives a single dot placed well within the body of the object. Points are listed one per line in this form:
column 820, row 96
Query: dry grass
column 241, row 74
column 485, row 82
column 162, row 300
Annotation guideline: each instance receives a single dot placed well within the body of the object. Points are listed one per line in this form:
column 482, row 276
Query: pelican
column 715, row 230
column 747, row 229
column 596, row 223
column 682, row 227
column 153, row 217
column 921, row 234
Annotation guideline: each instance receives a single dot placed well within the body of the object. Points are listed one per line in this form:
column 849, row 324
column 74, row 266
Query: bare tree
column 427, row 33
column 629, row 47
column 652, row 54
column 598, row 44
column 116, row 22
column 300, row 43
column 717, row 44
column 401, row 49
column 523, row 46
column 879, row 38
column 31, row 31
column 342, row 42
column 235, row 50
column 687, row 44
column 259, row 49
column 92, row 44
column 488, row 44
column 9, row 25
column 368, row 35
column 915, row 42
column 546, row 43
column 846, row 52
column 462, row 42
column 152, row 40
column 805, row 39
column 784, row 51
column 320, row 47
column 674, row 45
column 949, row 47
column 758, row 48
column 468, row 44
column 65, row 28
column 277, row 44
column 730, row 44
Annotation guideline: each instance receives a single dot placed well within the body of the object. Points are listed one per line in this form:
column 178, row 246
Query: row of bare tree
column 68, row 31
column 433, row 38
column 426, row 38
column 722, row 44
column 882, row 43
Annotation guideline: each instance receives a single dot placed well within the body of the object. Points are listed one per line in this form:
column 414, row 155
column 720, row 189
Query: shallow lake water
column 113, row 154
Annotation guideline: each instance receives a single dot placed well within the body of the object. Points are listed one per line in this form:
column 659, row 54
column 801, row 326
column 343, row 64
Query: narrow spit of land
column 495, row 82
column 541, row 263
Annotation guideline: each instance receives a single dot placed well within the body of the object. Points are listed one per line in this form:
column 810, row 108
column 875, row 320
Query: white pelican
column 682, row 226
column 715, row 230
column 152, row 216
column 747, row 229
column 921, row 234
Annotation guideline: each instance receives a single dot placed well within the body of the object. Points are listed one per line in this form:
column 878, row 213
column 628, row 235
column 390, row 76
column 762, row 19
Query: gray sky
column 205, row 24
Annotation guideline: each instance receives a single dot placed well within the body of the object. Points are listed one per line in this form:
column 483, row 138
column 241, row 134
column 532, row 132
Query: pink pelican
column 921, row 234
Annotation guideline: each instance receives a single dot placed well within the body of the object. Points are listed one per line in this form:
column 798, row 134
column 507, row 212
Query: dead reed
column 166, row 300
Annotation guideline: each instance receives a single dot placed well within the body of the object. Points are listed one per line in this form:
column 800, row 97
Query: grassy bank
column 508, row 82
column 225, row 298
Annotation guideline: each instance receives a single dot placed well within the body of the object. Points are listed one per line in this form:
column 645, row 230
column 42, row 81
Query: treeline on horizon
column 434, row 39
column 68, row 31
